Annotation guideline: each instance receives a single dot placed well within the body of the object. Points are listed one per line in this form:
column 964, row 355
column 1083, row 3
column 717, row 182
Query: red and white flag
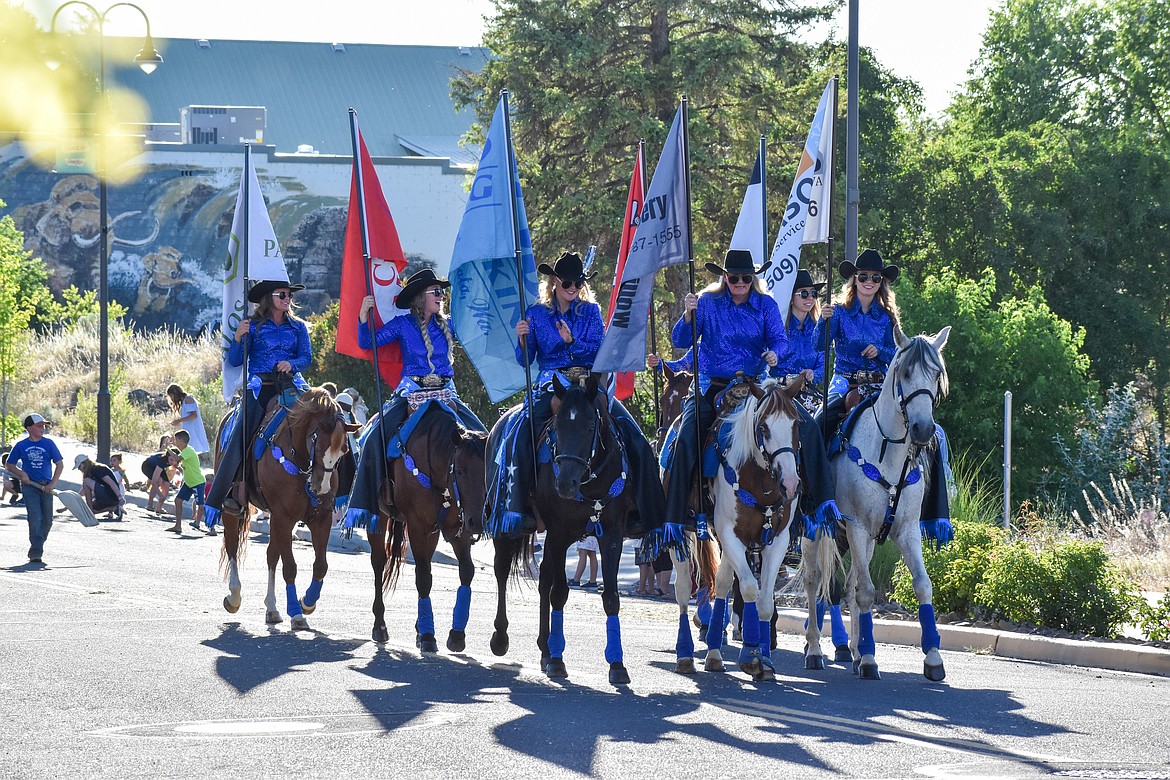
column 387, row 264
column 625, row 379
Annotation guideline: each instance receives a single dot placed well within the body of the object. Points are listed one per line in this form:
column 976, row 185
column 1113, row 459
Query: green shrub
column 955, row 570
column 1154, row 620
column 1069, row 584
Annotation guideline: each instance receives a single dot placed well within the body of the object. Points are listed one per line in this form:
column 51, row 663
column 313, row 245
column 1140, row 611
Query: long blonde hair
column 885, row 296
column 416, row 308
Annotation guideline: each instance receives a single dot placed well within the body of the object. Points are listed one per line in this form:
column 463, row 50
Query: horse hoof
column 618, row 675
column 380, row 635
column 685, row 666
column 752, row 667
column 869, row 671
column 499, row 644
column 456, row 641
column 934, row 672
column 229, row 606
column 426, row 643
column 308, row 609
column 272, row 616
column 842, row 654
column 698, row 623
column 712, row 664
column 736, row 635
column 299, row 623
column 555, row 669
column 814, row 662
column 766, row 674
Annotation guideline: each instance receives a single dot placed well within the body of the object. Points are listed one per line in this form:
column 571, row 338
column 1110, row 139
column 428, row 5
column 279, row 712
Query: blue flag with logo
column 485, row 293
column 660, row 242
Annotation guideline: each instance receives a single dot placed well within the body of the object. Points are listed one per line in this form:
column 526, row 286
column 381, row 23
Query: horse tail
column 242, row 529
column 395, row 554
column 523, row 559
column 707, row 562
column 824, row 554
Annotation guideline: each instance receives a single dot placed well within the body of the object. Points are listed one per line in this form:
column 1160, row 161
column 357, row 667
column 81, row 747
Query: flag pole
column 641, row 163
column 367, row 262
column 246, row 244
column 764, row 200
column 512, row 175
column 686, row 150
column 829, row 261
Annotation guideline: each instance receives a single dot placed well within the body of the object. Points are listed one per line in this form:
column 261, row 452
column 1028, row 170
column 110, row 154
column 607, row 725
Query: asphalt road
column 119, row 661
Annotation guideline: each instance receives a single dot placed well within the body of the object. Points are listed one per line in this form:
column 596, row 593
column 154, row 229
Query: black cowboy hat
column 269, row 286
column 568, row 266
column 738, row 261
column 869, row 260
column 804, row 279
column 418, row 282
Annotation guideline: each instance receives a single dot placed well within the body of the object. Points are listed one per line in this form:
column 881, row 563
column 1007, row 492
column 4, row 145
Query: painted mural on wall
column 168, row 236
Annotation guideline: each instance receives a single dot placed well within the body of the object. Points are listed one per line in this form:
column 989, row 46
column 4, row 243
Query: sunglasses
column 863, row 277
column 438, row 292
column 737, row 278
column 808, row 293
column 571, row 283
column 284, row 296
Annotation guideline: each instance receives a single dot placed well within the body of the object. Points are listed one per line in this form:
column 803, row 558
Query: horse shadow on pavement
column 249, row 660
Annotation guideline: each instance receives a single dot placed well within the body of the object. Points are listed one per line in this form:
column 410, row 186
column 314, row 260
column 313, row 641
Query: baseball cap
column 35, row 418
column 81, row 458
column 344, row 398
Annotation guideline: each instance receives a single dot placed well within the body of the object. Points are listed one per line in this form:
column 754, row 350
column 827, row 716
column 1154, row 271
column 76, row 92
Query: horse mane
column 920, row 352
column 743, row 439
column 314, row 402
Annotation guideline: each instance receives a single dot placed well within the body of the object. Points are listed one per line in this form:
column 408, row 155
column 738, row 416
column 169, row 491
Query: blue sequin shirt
column 405, row 330
column 546, row 345
column 732, row 337
column 852, row 330
column 269, row 344
column 806, row 349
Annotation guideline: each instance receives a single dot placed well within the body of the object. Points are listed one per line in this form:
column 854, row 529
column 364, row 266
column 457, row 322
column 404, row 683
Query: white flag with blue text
column 660, row 241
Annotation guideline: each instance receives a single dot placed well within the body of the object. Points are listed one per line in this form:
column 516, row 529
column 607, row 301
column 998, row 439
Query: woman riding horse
column 427, row 375
column 278, row 349
column 564, row 331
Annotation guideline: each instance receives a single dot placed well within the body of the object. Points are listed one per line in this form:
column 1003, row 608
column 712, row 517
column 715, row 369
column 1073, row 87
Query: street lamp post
column 148, row 59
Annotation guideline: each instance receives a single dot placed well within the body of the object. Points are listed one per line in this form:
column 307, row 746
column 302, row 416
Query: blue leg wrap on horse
column 313, row 592
column 685, row 646
column 840, row 635
column 930, row 638
column 715, row 626
column 294, row 605
column 766, row 638
column 821, row 605
column 866, row 645
column 703, row 606
column 750, row 624
column 462, row 608
column 613, row 640
column 426, row 618
column 556, row 634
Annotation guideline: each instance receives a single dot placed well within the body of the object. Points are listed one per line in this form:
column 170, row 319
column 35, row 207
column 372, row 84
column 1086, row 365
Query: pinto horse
column 442, row 469
column 584, row 489
column 879, row 477
column 294, row 480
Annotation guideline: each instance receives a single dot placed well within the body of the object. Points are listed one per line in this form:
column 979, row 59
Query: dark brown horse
column 674, row 393
column 295, row 481
column 438, row 489
column 585, row 489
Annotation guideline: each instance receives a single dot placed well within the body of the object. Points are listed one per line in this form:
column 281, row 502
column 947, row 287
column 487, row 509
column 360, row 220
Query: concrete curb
column 1008, row 644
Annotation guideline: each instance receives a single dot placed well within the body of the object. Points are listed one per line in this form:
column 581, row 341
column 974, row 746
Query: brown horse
column 294, row 480
column 443, row 469
column 674, row 392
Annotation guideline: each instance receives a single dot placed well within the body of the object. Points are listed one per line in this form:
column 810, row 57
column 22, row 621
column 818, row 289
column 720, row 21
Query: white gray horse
column 879, row 482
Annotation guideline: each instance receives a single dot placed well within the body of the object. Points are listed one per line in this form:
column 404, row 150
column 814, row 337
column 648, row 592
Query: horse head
column 470, row 469
column 917, row 379
column 317, row 425
column 766, row 432
column 576, row 419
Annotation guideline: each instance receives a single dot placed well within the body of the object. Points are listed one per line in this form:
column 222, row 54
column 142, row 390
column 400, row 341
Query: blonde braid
column 426, row 337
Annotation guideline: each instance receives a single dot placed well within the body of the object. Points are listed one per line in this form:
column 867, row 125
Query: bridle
column 288, row 463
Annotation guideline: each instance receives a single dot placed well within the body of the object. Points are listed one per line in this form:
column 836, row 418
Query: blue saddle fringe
column 671, row 537
column 360, row 518
column 823, row 522
column 211, row 516
column 940, row 531
column 504, row 523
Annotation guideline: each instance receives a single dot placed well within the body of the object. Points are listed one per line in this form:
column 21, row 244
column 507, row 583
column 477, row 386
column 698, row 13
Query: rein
column 293, row 470
column 596, row 449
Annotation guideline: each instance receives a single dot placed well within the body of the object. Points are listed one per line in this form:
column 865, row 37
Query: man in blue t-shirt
column 37, row 463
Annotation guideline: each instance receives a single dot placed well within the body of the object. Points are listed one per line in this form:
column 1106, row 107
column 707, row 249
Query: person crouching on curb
column 99, row 487
column 193, row 483
column 40, row 466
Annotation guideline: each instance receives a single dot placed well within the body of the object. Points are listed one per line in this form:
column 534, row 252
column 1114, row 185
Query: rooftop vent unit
column 338, row 46
column 223, row 125
column 203, row 43
column 465, row 51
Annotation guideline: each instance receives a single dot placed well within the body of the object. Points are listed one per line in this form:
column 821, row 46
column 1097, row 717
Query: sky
column 930, row 41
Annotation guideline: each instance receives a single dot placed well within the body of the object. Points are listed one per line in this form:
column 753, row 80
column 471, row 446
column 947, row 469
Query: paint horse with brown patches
column 294, row 480
column 755, row 493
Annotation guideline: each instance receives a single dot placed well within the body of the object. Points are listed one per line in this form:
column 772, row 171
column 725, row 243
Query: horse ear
column 352, row 427
column 558, row 388
column 940, row 338
column 755, row 389
column 591, row 383
column 667, row 371
column 900, row 338
column 793, row 388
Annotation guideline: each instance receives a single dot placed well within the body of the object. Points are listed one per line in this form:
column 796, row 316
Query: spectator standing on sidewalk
column 187, row 409
column 36, row 462
column 193, row 482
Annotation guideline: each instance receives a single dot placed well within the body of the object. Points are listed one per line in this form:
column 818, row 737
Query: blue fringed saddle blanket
column 711, row 452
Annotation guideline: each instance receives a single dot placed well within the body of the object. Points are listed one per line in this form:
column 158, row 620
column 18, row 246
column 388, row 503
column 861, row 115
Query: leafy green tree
column 997, row 344
column 15, row 312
